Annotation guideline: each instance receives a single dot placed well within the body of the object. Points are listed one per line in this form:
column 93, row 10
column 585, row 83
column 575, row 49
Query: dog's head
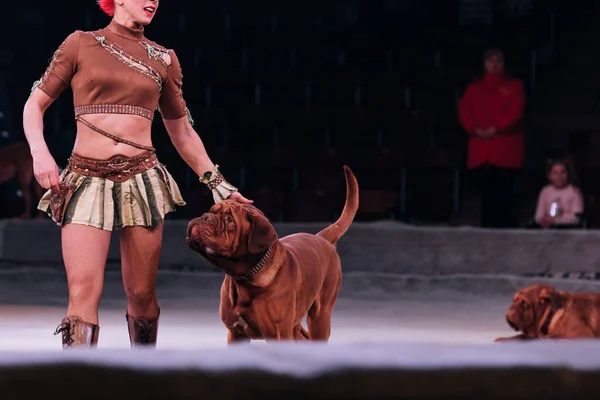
column 232, row 236
column 531, row 306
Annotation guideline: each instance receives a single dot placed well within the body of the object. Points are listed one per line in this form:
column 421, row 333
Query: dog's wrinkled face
column 530, row 306
column 230, row 231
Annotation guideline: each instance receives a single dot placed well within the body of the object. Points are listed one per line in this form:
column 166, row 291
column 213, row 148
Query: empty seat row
column 326, row 204
column 374, row 170
column 326, row 130
column 290, row 95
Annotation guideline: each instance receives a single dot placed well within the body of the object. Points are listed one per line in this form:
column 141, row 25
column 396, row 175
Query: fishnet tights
column 85, row 250
column 140, row 254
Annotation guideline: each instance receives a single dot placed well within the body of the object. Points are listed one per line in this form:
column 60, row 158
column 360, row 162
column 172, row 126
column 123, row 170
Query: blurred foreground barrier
column 312, row 370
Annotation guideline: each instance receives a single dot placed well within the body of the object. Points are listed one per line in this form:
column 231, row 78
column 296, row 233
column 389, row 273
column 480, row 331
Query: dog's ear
column 262, row 234
column 549, row 295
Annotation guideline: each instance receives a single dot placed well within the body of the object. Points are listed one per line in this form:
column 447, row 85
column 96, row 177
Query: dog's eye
column 229, row 219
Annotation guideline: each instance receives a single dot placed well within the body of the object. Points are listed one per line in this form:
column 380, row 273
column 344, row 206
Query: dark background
column 283, row 93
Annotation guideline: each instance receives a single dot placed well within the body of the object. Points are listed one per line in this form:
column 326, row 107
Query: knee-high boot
column 142, row 331
column 77, row 333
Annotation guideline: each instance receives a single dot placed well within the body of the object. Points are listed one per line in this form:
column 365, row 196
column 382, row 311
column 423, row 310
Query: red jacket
column 494, row 101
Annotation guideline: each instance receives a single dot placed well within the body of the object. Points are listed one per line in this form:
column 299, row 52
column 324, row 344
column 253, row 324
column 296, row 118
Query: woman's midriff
column 91, row 144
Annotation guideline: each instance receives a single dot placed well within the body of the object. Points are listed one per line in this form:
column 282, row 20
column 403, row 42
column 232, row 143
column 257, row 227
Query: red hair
column 108, row 6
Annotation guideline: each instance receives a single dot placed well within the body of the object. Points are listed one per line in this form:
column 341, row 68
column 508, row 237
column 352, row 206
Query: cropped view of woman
column 113, row 180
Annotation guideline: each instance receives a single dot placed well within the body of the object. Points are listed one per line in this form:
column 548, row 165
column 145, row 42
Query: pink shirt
column 569, row 200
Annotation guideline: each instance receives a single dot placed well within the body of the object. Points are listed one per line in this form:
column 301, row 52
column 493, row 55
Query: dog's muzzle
column 193, row 228
column 193, row 237
column 512, row 324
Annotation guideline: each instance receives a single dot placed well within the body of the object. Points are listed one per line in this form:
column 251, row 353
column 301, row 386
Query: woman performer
column 114, row 181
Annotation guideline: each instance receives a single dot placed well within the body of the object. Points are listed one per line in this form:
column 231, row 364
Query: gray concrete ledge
column 375, row 247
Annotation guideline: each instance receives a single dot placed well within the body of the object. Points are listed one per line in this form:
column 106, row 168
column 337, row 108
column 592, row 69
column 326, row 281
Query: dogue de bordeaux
column 542, row 312
column 271, row 284
column 16, row 162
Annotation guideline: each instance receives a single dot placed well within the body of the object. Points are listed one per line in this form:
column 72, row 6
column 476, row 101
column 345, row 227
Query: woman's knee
column 85, row 290
column 141, row 294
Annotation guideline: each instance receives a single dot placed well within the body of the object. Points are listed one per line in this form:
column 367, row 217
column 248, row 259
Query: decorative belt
column 117, row 169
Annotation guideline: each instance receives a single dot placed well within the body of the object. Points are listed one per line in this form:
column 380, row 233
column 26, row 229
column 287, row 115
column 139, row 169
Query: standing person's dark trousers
column 497, row 189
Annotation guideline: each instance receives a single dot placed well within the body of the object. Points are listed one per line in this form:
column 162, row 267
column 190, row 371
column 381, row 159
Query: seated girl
column 560, row 204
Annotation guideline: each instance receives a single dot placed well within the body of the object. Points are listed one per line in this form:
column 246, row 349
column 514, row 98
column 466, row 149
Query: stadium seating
column 284, row 94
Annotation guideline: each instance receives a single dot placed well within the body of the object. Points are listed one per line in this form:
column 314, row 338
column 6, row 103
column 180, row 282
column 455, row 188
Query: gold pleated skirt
column 142, row 200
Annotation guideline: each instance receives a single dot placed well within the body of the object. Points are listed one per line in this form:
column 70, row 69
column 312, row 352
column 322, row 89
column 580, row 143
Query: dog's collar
column 256, row 269
column 546, row 326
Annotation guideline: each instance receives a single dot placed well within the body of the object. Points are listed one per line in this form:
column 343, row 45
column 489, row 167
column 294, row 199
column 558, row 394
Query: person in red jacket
column 491, row 111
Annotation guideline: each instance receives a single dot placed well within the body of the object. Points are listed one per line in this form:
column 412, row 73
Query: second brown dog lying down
column 271, row 284
column 542, row 312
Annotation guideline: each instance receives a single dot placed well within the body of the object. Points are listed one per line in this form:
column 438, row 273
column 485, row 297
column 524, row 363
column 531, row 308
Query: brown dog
column 542, row 312
column 16, row 162
column 272, row 284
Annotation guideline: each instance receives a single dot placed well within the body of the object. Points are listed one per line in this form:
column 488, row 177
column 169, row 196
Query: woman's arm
column 178, row 121
column 465, row 114
column 192, row 150
column 55, row 80
column 33, row 120
column 189, row 145
column 516, row 109
column 44, row 166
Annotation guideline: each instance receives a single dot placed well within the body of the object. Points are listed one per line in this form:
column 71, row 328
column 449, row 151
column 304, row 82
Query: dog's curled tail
column 335, row 231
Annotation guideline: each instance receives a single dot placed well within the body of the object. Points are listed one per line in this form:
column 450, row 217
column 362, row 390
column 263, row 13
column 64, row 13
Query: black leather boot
column 143, row 332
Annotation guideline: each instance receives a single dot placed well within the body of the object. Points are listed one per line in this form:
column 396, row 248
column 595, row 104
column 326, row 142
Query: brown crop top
column 116, row 70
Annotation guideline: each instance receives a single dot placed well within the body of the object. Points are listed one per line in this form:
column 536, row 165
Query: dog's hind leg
column 300, row 333
column 319, row 315
column 319, row 321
